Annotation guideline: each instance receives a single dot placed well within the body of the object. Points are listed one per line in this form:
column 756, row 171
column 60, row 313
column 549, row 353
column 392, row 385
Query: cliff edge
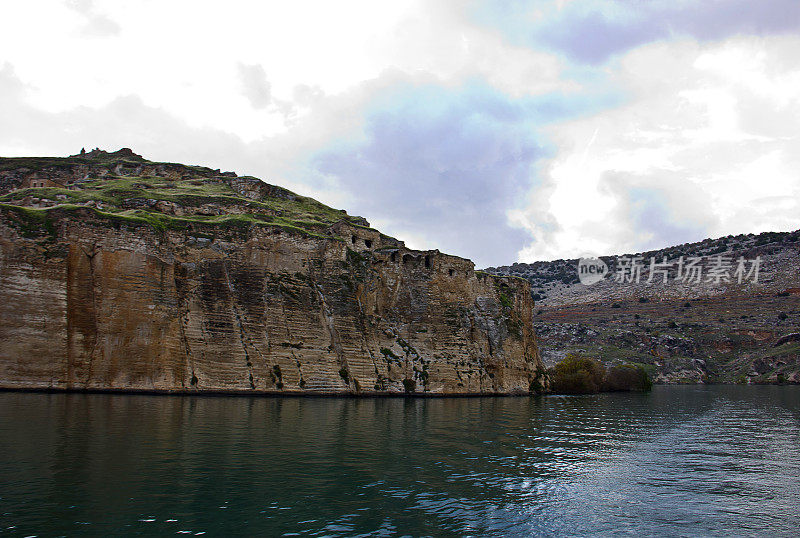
column 118, row 273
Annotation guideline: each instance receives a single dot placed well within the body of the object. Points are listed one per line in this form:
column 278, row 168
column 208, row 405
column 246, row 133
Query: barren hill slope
column 683, row 331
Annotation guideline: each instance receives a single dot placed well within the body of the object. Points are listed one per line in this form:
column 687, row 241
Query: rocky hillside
column 683, row 331
column 118, row 273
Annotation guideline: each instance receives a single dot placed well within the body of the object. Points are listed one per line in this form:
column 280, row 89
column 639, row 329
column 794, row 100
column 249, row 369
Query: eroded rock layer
column 112, row 298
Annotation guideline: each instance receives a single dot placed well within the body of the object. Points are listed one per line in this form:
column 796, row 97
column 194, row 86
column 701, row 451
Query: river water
column 680, row 461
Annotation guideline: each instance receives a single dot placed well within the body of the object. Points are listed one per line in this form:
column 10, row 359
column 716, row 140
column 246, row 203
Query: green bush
column 626, row 378
column 576, row 374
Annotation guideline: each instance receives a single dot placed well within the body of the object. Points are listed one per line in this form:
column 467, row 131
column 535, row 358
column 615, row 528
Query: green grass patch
column 129, row 199
column 31, row 223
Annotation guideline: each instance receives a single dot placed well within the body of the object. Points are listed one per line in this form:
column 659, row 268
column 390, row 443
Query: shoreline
column 216, row 393
column 349, row 395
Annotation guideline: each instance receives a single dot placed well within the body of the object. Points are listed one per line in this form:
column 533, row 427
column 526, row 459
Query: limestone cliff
column 118, row 273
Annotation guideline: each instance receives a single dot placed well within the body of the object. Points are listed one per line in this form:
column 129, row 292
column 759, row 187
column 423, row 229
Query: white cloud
column 185, row 56
column 271, row 83
column 97, row 24
column 706, row 145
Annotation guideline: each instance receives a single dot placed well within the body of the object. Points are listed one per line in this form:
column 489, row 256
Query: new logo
column 591, row 270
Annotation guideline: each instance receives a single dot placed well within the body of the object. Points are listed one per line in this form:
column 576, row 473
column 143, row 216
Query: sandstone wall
column 256, row 310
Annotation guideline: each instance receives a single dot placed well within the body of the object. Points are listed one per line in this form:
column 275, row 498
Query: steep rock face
column 102, row 300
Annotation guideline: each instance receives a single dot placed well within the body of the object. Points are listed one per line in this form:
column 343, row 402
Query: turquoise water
column 678, row 461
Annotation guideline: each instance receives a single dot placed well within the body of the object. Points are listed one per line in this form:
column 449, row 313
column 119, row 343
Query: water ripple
column 680, row 461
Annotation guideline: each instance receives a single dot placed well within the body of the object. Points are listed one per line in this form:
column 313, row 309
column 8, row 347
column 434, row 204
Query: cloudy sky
column 501, row 131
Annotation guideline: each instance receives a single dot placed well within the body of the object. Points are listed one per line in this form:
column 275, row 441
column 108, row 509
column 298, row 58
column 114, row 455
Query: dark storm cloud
column 444, row 167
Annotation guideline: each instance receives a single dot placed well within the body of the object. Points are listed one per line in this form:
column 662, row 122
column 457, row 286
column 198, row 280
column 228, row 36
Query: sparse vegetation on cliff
column 126, row 188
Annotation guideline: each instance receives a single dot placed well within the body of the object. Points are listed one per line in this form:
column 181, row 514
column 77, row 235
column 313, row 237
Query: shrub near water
column 576, row 374
column 626, row 377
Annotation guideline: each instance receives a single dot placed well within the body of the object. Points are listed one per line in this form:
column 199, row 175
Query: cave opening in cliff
column 406, row 258
column 450, row 272
column 394, row 256
column 427, row 262
column 368, row 243
column 353, row 239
